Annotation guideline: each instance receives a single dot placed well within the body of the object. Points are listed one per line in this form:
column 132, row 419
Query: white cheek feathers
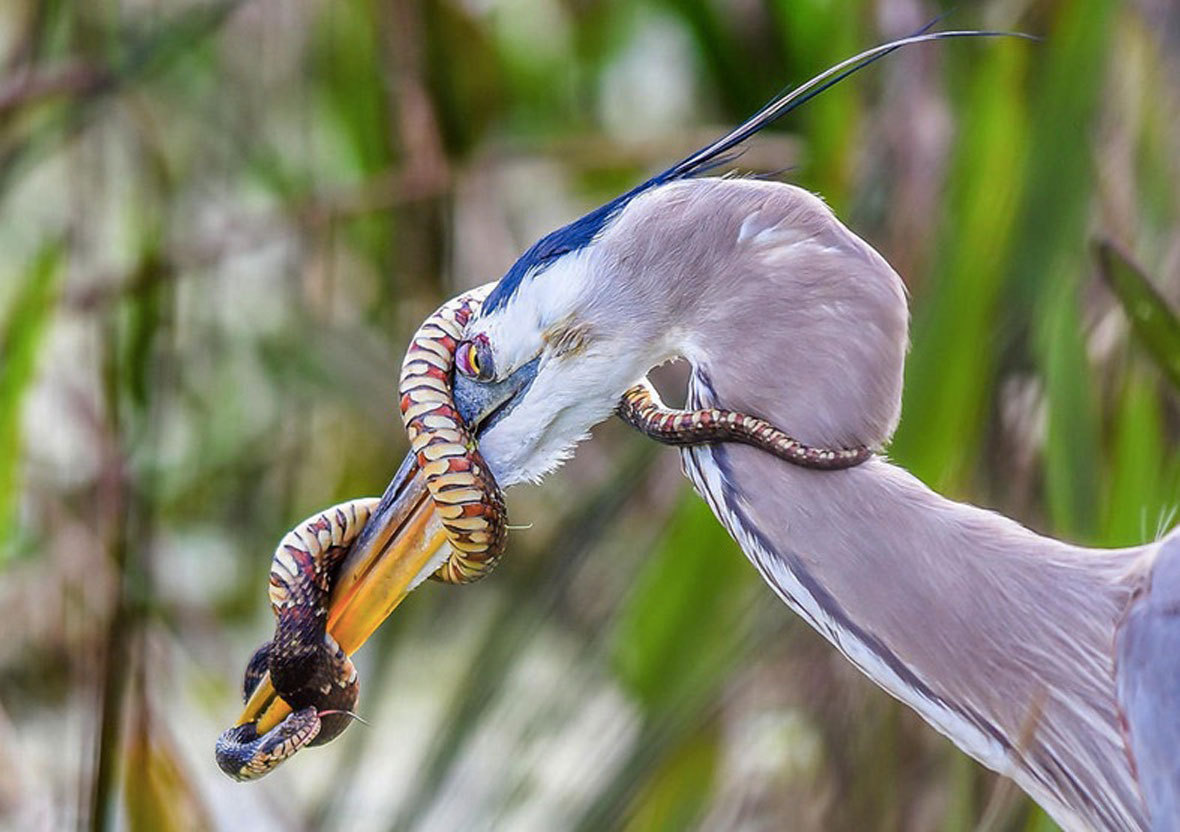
column 519, row 331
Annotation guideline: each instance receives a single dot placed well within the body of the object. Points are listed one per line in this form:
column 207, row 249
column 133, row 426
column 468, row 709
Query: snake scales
column 308, row 669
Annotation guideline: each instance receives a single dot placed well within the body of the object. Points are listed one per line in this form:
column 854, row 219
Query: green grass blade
column 1137, row 498
column 1059, row 174
column 1073, row 436
column 1153, row 322
column 21, row 339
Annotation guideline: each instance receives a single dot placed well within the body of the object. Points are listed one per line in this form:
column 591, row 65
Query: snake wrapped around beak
column 309, row 671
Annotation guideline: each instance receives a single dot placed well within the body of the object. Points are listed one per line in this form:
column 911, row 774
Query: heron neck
column 997, row 636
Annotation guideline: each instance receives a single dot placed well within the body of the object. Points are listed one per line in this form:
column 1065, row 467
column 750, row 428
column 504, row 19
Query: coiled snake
column 308, row 669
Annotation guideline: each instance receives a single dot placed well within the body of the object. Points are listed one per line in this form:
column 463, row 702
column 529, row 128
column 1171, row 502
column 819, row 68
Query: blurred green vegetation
column 221, row 221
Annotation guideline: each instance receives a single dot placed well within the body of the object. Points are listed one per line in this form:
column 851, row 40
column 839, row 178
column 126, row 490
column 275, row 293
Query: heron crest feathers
column 584, row 230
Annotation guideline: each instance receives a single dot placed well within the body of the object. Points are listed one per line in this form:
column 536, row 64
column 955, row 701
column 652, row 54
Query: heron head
column 539, row 366
column 788, row 314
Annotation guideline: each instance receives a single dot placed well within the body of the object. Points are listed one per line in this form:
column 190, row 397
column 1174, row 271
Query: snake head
column 244, row 755
column 319, row 716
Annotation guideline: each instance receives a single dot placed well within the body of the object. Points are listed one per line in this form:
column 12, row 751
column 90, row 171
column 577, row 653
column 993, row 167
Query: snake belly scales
column 308, row 669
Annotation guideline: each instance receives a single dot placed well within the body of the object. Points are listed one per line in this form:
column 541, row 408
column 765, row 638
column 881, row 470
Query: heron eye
column 474, row 359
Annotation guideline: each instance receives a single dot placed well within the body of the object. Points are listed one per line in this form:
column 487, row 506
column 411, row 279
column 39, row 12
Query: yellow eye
column 474, row 359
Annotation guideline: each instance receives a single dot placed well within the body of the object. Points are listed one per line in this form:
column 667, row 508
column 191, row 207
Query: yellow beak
column 400, row 541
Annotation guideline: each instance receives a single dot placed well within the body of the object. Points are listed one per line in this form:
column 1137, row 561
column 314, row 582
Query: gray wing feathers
column 1149, row 686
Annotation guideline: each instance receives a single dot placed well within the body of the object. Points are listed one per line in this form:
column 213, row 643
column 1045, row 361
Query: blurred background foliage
column 220, row 222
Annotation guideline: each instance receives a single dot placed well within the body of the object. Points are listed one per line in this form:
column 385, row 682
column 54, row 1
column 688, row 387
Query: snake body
column 466, row 496
column 641, row 408
column 308, row 669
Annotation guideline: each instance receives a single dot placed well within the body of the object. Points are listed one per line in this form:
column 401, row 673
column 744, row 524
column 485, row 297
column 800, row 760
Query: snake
column 308, row 669
column 641, row 408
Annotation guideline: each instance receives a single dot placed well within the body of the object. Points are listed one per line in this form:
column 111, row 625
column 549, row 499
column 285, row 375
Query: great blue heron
column 1053, row 664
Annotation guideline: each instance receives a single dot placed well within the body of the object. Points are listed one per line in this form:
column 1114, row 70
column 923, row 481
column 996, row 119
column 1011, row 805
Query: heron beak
column 402, row 544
